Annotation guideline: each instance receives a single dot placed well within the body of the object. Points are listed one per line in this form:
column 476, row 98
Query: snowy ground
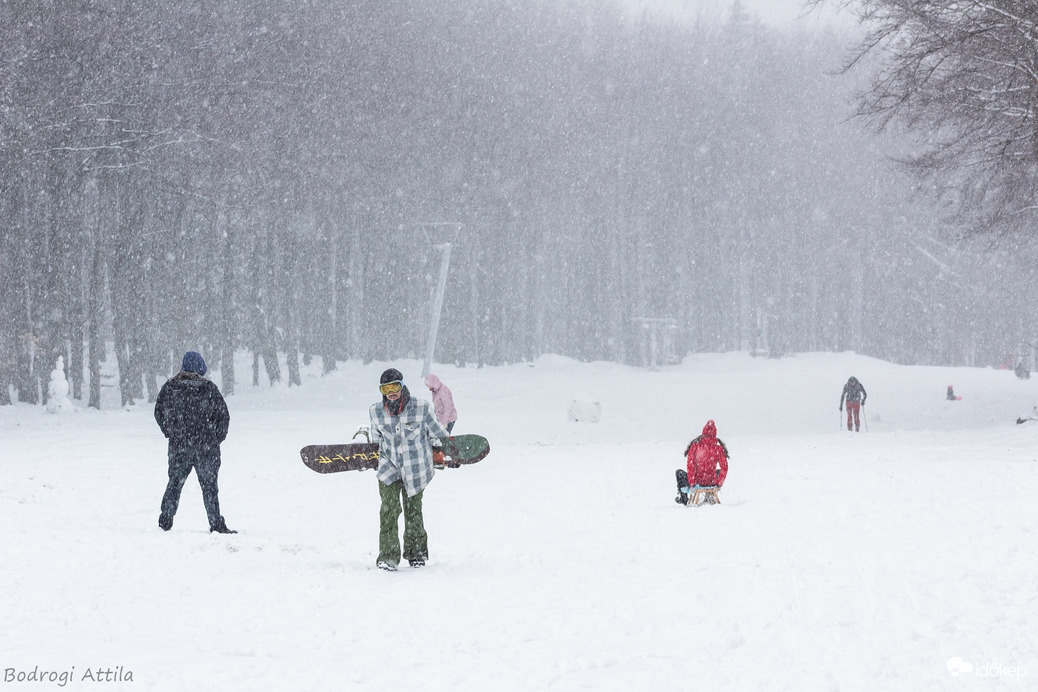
column 901, row 558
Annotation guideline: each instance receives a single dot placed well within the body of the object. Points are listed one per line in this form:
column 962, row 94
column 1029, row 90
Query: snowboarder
column 405, row 429
column 193, row 416
column 855, row 395
column 707, row 464
column 951, row 394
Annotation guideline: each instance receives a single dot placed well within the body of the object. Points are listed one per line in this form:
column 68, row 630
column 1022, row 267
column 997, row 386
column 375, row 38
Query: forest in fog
column 220, row 175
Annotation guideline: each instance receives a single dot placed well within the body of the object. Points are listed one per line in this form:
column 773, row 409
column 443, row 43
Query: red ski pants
column 853, row 409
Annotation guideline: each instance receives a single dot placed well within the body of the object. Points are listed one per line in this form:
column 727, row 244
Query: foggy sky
column 780, row 13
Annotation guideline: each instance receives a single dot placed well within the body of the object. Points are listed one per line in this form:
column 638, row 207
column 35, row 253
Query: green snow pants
column 416, row 540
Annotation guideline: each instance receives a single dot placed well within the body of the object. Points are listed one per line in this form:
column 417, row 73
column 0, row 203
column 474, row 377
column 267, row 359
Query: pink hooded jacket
column 443, row 402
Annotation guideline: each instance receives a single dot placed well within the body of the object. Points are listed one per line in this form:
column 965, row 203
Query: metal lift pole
column 434, row 318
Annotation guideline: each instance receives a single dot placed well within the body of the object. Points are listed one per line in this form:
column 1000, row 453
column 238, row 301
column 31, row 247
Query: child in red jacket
column 707, row 459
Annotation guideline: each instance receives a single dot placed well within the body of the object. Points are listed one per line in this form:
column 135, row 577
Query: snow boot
column 221, row 528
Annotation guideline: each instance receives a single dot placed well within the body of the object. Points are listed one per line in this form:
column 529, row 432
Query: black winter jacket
column 191, row 412
column 854, row 393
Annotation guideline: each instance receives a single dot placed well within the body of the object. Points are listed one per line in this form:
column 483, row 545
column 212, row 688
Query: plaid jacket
column 404, row 449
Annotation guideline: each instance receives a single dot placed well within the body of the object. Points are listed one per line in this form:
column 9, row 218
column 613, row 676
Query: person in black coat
column 192, row 414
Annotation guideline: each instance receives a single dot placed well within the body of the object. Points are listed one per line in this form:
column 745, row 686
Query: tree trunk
column 270, row 360
column 95, row 346
column 122, row 362
column 227, row 369
column 292, row 354
column 227, row 330
column 330, row 329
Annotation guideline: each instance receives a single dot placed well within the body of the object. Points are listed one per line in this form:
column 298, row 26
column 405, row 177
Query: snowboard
column 358, row 456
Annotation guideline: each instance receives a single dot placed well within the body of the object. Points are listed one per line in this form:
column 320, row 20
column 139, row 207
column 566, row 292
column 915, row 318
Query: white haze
column 777, row 13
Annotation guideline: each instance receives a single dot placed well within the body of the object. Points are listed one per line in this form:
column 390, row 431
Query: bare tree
column 963, row 76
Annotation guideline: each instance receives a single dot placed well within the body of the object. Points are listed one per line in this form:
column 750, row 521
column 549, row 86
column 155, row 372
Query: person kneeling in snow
column 707, row 459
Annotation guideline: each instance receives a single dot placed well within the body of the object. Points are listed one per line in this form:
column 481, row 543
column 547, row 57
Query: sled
column 704, row 493
column 698, row 494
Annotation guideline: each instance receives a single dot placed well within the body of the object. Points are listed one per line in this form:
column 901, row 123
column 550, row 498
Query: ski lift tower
column 657, row 330
column 440, row 235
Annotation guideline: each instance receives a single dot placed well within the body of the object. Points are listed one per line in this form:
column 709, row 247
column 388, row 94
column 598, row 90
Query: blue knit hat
column 193, row 362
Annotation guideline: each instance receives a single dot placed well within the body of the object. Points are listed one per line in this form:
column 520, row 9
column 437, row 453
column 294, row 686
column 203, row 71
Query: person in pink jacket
column 707, row 460
column 443, row 402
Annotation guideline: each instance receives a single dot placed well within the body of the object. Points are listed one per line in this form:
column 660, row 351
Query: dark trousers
column 416, row 540
column 206, row 463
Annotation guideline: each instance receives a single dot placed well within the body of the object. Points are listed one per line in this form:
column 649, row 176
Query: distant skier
column 707, row 464
column 951, row 394
column 855, row 396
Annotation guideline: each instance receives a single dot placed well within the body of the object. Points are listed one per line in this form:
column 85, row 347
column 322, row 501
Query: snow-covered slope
column 886, row 560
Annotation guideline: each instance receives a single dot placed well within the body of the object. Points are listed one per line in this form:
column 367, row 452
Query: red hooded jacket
column 705, row 454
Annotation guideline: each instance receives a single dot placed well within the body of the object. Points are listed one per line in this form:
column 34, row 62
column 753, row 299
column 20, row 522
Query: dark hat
column 391, row 375
column 193, row 362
